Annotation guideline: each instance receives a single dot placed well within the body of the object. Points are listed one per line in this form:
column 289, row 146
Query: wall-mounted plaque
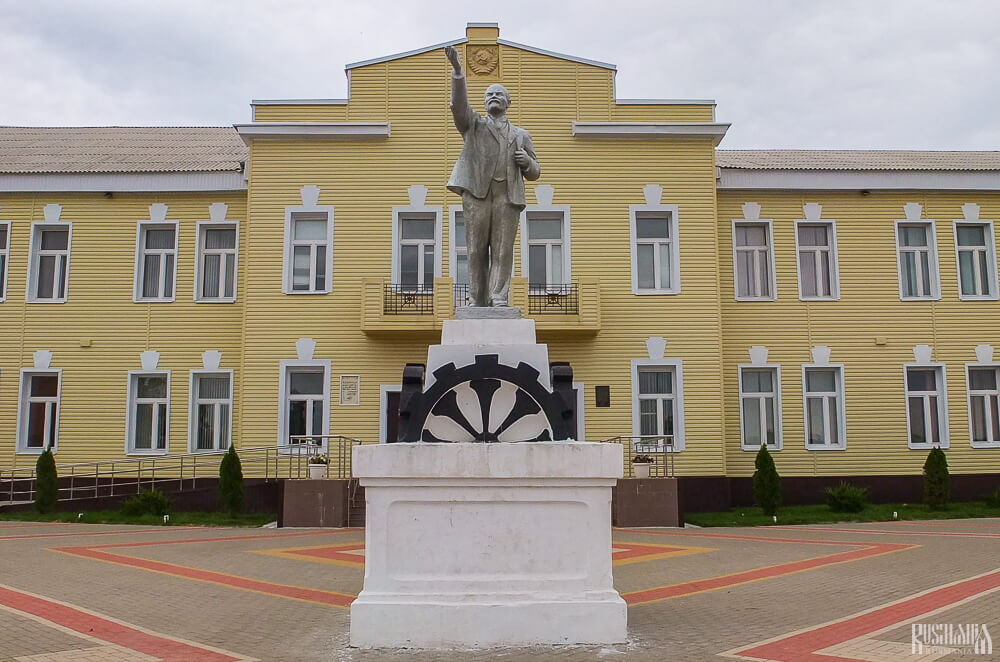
column 350, row 390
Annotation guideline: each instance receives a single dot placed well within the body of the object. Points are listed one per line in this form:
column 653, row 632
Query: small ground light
column 895, row 515
column 166, row 518
column 80, row 516
column 775, row 518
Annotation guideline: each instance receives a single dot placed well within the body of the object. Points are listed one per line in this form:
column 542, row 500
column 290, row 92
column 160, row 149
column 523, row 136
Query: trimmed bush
column 847, row 498
column 766, row 482
column 937, row 480
column 231, row 482
column 46, row 482
column 147, row 502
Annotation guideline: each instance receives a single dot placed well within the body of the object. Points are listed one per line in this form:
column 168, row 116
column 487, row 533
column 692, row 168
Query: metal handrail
column 660, row 447
column 105, row 477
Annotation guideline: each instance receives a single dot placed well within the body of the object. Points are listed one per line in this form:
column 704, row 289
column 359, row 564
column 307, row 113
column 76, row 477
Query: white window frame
column 286, row 273
column 834, row 259
column 677, row 365
column 5, row 271
column 35, row 255
column 567, row 253
column 934, row 264
column 398, row 213
column 675, row 252
column 131, row 401
column 23, row 399
column 968, row 404
column 768, row 223
column 286, row 367
column 991, row 261
column 942, row 395
column 201, row 251
column 581, row 400
column 776, row 370
column 140, row 252
column 453, row 212
column 841, row 442
column 193, row 409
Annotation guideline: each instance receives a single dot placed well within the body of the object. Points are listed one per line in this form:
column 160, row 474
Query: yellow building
column 214, row 285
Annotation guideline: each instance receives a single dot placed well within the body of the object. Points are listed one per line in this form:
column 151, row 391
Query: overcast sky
column 897, row 74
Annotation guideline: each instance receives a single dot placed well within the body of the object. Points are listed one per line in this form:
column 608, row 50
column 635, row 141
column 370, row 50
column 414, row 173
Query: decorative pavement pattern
column 832, row 593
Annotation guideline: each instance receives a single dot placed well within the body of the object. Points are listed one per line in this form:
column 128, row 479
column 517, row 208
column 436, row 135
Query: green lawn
column 115, row 517
column 822, row 514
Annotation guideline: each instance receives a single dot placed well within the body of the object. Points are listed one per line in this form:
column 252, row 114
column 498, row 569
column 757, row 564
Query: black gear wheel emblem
column 486, row 401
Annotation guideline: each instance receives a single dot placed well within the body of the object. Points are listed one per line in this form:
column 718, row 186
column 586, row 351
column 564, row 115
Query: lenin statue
column 489, row 175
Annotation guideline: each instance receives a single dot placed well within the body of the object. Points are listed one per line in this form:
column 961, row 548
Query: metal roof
column 117, row 149
column 821, row 159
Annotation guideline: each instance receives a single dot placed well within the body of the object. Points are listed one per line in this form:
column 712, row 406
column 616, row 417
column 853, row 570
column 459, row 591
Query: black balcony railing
column 553, row 299
column 461, row 293
column 407, row 299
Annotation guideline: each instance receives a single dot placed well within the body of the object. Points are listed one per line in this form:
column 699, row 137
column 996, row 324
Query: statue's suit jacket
column 474, row 169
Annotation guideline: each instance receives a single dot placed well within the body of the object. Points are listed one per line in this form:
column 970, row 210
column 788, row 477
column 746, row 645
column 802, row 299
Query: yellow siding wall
column 100, row 309
column 869, row 307
column 598, row 179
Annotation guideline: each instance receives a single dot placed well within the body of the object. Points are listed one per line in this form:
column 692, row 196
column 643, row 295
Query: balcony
column 395, row 308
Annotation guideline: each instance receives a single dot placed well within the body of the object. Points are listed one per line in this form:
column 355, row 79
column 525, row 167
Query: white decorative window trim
column 130, row 402
column 581, row 427
column 841, row 404
column 971, row 212
column 776, row 368
column 383, row 401
column 34, row 258
column 285, row 368
column 202, row 226
column 942, row 393
column 140, row 233
column 912, row 210
column 5, row 254
column 751, row 216
column 453, row 212
column 22, row 407
column 310, row 198
column 653, row 194
column 543, row 196
column 678, row 367
column 984, row 360
column 418, row 195
column 193, row 408
column 812, row 212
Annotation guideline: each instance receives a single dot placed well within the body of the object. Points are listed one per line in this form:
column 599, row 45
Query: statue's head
column 496, row 99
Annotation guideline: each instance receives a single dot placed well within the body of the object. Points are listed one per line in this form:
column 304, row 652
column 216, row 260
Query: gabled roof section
column 399, row 56
column 815, row 159
column 117, row 149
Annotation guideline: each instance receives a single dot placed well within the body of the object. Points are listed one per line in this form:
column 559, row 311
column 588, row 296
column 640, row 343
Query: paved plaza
column 94, row 593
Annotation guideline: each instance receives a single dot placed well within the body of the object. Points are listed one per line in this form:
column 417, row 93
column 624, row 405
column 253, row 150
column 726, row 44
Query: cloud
column 847, row 74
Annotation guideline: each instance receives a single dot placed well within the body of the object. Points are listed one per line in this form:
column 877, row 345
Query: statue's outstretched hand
column 454, row 58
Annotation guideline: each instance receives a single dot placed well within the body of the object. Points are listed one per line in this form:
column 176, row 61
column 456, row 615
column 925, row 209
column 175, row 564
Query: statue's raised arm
column 465, row 116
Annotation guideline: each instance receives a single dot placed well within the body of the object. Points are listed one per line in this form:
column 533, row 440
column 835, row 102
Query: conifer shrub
column 147, row 502
column 46, row 482
column 847, row 498
column 937, row 480
column 231, row 482
column 766, row 482
column 993, row 498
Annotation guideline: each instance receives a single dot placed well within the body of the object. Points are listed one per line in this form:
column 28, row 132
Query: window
column 917, row 255
column 976, row 261
column 753, row 261
column 308, row 251
column 548, row 256
column 984, row 405
column 459, row 258
column 38, row 414
column 4, row 257
column 926, row 416
column 760, row 407
column 217, row 251
column 417, row 251
column 657, row 403
column 817, row 260
column 156, row 262
column 50, row 246
column 305, row 402
column 211, row 410
column 655, row 255
column 823, row 396
column 148, row 412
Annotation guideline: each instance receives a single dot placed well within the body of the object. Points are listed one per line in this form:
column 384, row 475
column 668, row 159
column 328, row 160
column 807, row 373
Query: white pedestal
column 487, row 545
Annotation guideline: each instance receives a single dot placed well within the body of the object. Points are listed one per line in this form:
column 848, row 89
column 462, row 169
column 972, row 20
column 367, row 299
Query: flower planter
column 317, row 471
column 641, row 469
